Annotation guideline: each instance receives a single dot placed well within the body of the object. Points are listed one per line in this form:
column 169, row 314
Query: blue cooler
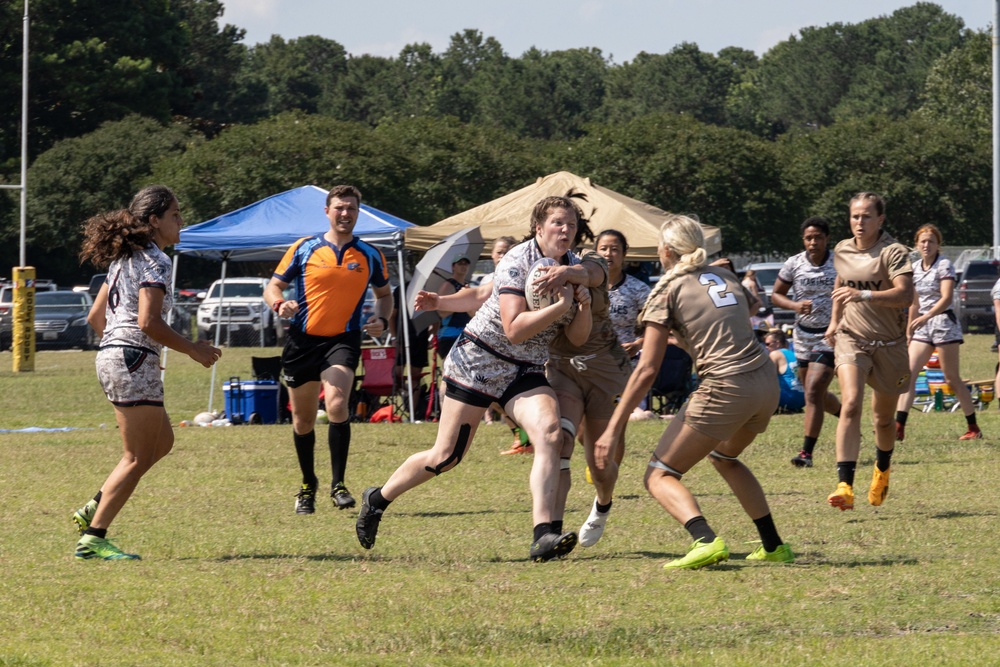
column 251, row 401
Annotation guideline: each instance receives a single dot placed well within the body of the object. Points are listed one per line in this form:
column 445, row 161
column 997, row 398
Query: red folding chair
column 377, row 383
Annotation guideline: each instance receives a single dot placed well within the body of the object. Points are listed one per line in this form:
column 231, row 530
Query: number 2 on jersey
column 717, row 290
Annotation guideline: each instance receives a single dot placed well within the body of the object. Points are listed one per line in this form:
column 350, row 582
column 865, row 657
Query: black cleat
column 803, row 460
column 305, row 500
column 342, row 498
column 368, row 520
column 552, row 545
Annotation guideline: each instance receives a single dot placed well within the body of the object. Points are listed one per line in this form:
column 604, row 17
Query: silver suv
column 767, row 274
column 7, row 307
column 242, row 314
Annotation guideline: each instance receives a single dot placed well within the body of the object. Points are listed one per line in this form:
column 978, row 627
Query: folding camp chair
column 674, row 383
column 376, row 385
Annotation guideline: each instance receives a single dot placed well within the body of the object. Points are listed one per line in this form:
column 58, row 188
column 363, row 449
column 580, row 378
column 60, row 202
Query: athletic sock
column 809, row 444
column 603, row 509
column 845, row 471
column 768, row 533
column 339, row 438
column 882, row 459
column 901, row 417
column 557, row 526
column 377, row 500
column 971, row 420
column 699, row 529
column 101, row 533
column 541, row 530
column 305, row 446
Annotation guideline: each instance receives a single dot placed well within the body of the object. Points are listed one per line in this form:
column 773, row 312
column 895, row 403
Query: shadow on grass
column 737, row 560
column 441, row 513
column 960, row 515
column 315, row 557
column 818, row 559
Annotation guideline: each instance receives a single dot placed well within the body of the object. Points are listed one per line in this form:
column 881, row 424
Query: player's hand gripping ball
column 537, row 300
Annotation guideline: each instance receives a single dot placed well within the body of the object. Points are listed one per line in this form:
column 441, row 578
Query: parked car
column 972, row 303
column 96, row 281
column 61, row 320
column 7, row 305
column 767, row 274
column 242, row 313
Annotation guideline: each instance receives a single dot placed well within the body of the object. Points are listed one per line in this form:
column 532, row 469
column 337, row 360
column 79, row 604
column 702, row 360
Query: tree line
column 900, row 104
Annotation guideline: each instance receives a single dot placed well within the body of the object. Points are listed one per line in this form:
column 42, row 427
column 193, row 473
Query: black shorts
column 528, row 378
column 418, row 350
column 305, row 357
column 824, row 358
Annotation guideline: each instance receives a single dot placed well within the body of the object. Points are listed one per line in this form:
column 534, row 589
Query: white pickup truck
column 241, row 312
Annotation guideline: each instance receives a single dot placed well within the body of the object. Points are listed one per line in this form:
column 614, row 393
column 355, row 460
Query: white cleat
column 593, row 528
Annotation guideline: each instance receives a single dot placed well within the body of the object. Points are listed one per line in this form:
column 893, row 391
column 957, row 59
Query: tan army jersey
column 708, row 312
column 872, row 269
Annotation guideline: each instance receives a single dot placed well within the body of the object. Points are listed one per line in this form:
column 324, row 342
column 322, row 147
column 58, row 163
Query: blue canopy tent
column 264, row 230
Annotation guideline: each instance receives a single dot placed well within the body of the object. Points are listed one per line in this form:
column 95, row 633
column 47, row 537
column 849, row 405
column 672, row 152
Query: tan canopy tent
column 510, row 215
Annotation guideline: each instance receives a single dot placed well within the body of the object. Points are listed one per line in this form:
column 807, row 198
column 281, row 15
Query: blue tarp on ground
column 263, row 231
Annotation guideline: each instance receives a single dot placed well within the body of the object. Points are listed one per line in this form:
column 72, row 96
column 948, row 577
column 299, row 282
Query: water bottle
column 938, row 400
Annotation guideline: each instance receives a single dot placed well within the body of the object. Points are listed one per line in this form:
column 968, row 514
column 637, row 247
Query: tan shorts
column 720, row 407
column 885, row 365
column 599, row 386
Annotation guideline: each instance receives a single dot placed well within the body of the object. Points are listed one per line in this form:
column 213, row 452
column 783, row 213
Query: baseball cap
column 461, row 258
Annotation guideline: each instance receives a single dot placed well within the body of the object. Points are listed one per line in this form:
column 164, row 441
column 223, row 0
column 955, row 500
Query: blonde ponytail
column 683, row 236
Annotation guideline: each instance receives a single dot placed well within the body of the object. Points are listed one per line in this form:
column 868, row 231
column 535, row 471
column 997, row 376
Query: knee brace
column 568, row 426
column 461, row 444
column 564, row 464
column 722, row 457
column 660, row 465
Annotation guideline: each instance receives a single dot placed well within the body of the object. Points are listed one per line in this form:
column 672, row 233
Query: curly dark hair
column 542, row 208
column 115, row 234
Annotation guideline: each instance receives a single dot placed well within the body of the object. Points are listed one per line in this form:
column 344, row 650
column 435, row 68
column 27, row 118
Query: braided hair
column 683, row 237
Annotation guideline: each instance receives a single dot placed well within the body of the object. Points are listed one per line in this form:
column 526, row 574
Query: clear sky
column 620, row 28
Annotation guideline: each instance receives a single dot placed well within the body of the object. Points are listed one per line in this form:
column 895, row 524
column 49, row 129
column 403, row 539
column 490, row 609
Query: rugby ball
column 537, row 301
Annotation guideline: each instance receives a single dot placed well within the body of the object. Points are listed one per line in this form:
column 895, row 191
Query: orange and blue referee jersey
column 330, row 283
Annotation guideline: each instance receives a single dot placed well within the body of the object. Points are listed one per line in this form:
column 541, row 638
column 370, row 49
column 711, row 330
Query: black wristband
column 385, row 322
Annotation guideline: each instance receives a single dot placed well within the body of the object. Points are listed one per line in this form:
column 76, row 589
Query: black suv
column 973, row 304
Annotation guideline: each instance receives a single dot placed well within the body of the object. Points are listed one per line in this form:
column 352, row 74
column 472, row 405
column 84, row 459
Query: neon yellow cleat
column 83, row 516
column 94, row 547
column 782, row 554
column 700, row 555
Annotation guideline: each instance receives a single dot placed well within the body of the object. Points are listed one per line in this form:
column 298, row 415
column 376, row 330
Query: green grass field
column 231, row 576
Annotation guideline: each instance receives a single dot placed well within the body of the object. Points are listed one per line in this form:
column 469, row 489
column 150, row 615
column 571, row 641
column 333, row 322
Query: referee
column 330, row 274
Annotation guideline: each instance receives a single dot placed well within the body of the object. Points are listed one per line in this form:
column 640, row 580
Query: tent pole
column 170, row 316
column 218, row 326
column 405, row 320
